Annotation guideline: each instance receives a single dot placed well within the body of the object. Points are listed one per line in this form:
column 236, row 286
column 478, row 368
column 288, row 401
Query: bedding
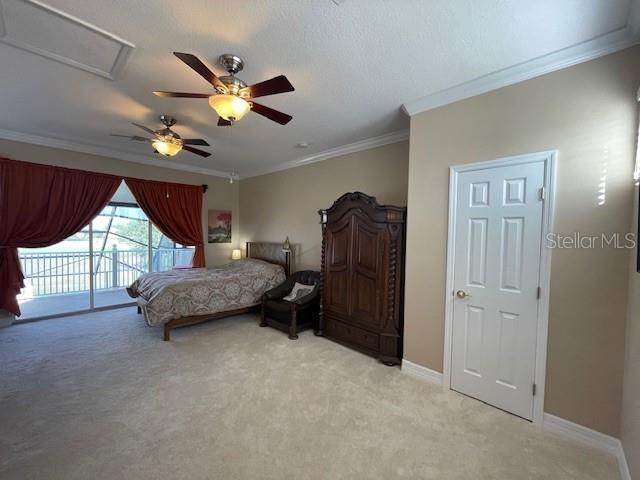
column 164, row 296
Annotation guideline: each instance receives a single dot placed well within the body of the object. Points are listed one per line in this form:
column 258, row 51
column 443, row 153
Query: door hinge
column 542, row 193
column 538, row 293
column 534, row 390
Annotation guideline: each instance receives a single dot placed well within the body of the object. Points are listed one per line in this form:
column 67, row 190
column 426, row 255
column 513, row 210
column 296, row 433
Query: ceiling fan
column 233, row 98
column 167, row 142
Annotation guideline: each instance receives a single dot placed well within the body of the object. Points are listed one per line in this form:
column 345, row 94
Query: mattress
column 164, row 296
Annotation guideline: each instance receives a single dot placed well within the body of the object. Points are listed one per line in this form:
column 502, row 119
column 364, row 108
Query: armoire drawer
column 351, row 334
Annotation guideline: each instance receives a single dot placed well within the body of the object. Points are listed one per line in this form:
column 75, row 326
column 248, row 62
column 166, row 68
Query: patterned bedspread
column 164, row 296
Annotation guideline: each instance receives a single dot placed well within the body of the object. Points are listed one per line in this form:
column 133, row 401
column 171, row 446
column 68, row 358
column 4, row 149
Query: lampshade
column 167, row 145
column 229, row 107
column 236, row 254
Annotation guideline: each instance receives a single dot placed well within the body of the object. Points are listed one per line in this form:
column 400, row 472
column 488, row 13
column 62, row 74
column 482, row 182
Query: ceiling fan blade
column 133, row 137
column 146, row 129
column 196, row 64
column 223, row 123
column 202, row 153
column 160, row 93
column 195, row 141
column 279, row 84
column 271, row 114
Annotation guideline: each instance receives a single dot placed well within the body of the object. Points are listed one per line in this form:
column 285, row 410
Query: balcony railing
column 52, row 273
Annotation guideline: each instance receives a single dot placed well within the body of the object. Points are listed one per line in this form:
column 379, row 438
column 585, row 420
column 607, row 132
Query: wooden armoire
column 362, row 278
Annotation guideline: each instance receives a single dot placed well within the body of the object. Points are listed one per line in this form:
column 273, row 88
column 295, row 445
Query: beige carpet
column 100, row 396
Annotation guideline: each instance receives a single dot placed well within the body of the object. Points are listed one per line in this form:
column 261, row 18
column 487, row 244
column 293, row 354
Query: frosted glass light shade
column 229, row 107
column 167, row 146
column 236, row 254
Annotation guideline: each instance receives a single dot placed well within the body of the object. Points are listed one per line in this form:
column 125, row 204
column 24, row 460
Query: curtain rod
column 79, row 170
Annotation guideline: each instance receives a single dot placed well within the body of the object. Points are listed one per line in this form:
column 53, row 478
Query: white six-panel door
column 498, row 234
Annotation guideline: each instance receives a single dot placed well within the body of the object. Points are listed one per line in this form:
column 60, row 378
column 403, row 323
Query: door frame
column 549, row 158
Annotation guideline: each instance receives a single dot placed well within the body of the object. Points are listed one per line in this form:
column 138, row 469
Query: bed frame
column 267, row 251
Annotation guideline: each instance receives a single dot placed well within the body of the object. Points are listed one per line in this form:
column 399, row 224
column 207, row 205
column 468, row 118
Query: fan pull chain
column 232, row 160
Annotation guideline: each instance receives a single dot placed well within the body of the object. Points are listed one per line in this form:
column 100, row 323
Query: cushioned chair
column 296, row 315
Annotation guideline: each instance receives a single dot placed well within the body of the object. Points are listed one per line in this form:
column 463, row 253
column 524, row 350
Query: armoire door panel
column 339, row 245
column 364, row 301
column 365, row 277
column 337, row 292
column 366, row 247
column 338, row 270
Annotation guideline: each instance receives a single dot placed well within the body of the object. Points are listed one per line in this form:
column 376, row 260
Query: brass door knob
column 462, row 294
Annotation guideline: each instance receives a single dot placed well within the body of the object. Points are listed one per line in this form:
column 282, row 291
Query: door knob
column 462, row 294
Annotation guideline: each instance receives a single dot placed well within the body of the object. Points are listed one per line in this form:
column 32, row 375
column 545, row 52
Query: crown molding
column 566, row 57
column 366, row 144
column 81, row 147
column 103, row 151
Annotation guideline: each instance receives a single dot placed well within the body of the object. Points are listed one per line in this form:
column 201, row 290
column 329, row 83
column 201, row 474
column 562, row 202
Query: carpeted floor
column 100, row 396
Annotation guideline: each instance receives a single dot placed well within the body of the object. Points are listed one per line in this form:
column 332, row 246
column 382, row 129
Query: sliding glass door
column 120, row 252
column 57, row 278
column 93, row 268
column 126, row 245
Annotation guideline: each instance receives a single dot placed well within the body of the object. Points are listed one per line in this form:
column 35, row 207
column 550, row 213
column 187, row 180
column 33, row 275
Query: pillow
column 298, row 291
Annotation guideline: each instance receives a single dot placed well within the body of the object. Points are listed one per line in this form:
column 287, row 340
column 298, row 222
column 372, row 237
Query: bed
column 184, row 297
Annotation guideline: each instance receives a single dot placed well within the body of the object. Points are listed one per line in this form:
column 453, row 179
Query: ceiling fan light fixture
column 229, row 107
column 167, row 145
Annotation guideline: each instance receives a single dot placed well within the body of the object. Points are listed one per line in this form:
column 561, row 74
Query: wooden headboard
column 271, row 252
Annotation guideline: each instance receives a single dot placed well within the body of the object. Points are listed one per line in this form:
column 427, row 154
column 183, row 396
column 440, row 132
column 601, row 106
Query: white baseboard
column 422, row 373
column 589, row 437
column 625, row 474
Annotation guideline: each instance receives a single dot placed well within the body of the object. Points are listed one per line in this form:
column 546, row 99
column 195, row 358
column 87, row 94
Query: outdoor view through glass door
column 92, row 268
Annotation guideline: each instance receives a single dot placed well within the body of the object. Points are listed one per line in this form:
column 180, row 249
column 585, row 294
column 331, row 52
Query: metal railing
column 54, row 273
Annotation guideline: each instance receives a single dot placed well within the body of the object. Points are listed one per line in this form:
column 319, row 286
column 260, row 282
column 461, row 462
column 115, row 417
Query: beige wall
column 220, row 195
column 631, row 386
column 287, row 202
column 588, row 113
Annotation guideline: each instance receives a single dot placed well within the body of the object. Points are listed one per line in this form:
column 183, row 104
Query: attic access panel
column 51, row 33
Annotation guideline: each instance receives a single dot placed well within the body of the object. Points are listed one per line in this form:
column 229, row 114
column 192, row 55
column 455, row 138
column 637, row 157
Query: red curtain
column 175, row 209
column 41, row 205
